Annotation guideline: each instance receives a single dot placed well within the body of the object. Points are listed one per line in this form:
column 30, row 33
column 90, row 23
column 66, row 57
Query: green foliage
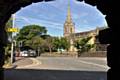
column 9, row 25
column 82, row 45
column 7, row 54
column 30, row 31
column 56, row 42
column 7, row 48
column 61, row 43
column 33, row 36
column 64, row 43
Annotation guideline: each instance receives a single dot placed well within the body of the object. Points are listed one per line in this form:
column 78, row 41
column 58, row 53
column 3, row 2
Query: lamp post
column 12, row 43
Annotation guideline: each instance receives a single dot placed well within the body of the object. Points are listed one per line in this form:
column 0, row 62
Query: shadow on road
column 34, row 74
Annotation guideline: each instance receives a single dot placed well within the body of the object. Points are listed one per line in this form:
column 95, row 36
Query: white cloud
column 47, row 23
column 21, row 19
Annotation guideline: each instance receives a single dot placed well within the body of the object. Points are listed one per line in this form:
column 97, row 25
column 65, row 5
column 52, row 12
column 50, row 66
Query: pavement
column 21, row 62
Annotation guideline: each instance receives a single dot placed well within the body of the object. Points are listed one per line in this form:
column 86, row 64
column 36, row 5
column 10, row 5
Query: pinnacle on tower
column 69, row 13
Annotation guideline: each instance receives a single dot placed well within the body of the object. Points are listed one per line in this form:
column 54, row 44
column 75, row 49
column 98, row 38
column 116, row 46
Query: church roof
column 87, row 33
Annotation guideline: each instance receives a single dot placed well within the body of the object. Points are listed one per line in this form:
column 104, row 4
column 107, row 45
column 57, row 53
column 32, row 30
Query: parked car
column 24, row 53
column 32, row 53
column 27, row 51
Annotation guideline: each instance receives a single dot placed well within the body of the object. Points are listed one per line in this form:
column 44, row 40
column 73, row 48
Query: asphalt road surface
column 61, row 68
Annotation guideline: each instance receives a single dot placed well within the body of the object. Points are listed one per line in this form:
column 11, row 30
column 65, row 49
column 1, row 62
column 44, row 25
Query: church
column 71, row 35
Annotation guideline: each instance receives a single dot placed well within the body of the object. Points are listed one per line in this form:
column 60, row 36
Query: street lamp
column 12, row 42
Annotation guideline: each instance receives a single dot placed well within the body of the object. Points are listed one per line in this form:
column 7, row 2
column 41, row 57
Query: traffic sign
column 12, row 30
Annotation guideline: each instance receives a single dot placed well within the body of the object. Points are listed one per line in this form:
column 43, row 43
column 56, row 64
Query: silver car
column 32, row 53
column 24, row 53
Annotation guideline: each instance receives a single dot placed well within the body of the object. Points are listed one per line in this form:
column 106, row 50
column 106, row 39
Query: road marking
column 99, row 65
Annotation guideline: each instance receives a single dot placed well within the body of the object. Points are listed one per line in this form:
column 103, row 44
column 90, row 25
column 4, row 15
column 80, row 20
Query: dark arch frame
column 8, row 7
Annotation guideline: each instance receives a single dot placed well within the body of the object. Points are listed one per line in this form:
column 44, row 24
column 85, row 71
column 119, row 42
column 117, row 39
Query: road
column 62, row 68
column 67, row 63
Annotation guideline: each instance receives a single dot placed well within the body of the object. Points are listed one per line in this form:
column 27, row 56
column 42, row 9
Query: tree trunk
column 50, row 49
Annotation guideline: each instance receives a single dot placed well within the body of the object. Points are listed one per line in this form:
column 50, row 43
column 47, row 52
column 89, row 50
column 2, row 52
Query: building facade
column 69, row 33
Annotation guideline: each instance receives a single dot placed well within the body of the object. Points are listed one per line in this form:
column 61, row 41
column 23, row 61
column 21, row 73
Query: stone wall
column 94, row 54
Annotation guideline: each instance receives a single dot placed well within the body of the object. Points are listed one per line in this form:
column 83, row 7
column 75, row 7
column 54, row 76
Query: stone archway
column 8, row 7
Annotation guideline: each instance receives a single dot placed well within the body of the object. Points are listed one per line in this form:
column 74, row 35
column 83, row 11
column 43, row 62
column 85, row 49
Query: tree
column 49, row 43
column 82, row 45
column 64, row 43
column 56, row 43
column 7, row 48
column 9, row 25
column 61, row 43
column 28, row 33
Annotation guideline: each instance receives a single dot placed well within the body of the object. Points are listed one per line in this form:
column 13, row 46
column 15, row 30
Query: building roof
column 87, row 33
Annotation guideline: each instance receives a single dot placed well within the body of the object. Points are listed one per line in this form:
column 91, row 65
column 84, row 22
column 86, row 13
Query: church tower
column 69, row 29
column 68, row 25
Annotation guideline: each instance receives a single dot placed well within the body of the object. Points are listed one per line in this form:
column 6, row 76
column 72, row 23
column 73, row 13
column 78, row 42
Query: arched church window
column 71, row 30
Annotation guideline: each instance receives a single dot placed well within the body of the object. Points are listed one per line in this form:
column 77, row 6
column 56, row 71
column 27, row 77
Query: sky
column 52, row 15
